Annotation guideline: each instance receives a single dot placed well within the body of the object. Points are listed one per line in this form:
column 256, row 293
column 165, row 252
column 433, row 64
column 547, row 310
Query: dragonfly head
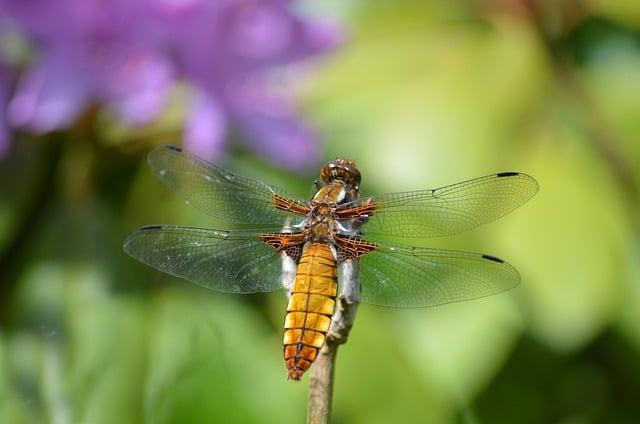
column 344, row 170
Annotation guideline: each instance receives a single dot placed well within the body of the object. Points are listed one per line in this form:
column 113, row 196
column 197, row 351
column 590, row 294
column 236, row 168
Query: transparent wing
column 220, row 193
column 225, row 261
column 412, row 277
column 447, row 210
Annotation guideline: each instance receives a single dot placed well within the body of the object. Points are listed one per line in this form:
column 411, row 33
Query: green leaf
column 458, row 348
column 568, row 242
column 212, row 359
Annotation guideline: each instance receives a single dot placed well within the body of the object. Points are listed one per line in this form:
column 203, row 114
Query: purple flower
column 252, row 37
column 128, row 54
column 4, row 93
column 88, row 53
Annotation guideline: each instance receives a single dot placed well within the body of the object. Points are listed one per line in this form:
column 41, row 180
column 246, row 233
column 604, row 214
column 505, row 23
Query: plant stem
column 321, row 385
column 322, row 371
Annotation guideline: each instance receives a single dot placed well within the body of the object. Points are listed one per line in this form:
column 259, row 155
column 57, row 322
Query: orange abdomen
column 311, row 306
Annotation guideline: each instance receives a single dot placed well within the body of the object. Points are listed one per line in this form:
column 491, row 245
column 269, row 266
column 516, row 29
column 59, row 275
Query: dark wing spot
column 175, row 148
column 493, row 258
column 507, row 174
column 150, row 227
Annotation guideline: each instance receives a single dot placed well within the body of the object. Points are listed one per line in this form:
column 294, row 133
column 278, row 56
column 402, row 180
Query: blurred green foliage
column 423, row 94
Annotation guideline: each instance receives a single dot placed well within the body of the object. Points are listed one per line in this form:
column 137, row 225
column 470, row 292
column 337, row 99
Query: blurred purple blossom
column 128, row 54
column 4, row 87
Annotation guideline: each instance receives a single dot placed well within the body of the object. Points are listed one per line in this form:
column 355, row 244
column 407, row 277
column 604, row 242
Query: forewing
column 221, row 193
column 415, row 277
column 446, row 210
column 225, row 261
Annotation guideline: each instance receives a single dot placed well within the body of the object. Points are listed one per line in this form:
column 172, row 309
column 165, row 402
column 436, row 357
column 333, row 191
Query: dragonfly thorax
column 330, row 194
column 321, row 220
column 320, row 224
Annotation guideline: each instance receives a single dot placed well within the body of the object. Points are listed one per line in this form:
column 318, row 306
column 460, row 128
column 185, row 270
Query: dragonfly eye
column 341, row 169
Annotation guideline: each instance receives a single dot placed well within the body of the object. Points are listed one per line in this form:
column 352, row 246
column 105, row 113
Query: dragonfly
column 287, row 242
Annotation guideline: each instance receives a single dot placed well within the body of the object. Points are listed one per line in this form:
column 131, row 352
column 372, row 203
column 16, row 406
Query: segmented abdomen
column 310, row 308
